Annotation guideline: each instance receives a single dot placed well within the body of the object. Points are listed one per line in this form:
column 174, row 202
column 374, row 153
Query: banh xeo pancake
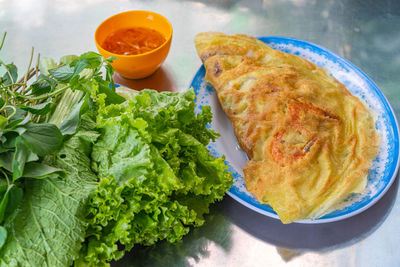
column 309, row 141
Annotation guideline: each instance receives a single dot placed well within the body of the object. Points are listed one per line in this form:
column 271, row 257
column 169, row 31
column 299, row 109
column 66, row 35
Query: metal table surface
column 365, row 32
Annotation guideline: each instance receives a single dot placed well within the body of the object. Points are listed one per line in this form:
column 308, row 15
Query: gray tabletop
column 365, row 32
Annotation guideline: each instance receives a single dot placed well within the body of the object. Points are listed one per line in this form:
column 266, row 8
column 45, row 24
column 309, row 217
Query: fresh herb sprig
column 38, row 111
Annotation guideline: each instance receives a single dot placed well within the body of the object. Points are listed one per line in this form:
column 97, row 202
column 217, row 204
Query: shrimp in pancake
column 309, row 141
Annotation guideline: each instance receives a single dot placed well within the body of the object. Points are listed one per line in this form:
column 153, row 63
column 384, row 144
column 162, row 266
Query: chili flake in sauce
column 133, row 41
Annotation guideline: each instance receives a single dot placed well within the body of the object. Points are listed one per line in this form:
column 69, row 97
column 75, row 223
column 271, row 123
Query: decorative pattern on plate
column 384, row 167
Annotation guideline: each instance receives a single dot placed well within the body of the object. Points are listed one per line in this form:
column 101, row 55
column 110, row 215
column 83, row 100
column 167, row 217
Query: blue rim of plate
column 386, row 177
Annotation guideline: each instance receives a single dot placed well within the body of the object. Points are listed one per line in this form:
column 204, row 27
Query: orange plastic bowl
column 141, row 65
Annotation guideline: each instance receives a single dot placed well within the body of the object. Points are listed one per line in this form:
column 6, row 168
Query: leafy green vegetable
column 85, row 175
column 11, row 74
column 41, row 170
column 63, row 73
column 156, row 178
column 21, row 155
column 48, row 229
column 36, row 117
column 43, row 138
column 43, row 85
column 39, row 109
column 3, row 236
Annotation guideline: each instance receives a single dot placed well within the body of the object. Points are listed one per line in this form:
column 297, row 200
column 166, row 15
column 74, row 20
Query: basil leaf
column 6, row 159
column 10, row 142
column 63, row 73
column 3, row 236
column 74, row 82
column 93, row 59
column 38, row 109
column 42, row 138
column 18, row 116
column 43, row 85
column 67, row 59
column 40, row 170
column 19, row 130
column 71, row 123
column 21, row 117
column 80, row 66
column 11, row 75
column 32, row 157
column 21, row 155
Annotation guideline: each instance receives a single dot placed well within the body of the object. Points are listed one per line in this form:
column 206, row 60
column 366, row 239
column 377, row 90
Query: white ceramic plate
column 385, row 166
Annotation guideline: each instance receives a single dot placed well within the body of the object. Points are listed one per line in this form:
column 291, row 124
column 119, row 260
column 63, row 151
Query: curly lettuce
column 156, row 176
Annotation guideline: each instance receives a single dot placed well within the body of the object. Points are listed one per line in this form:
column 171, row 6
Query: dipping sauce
column 133, row 41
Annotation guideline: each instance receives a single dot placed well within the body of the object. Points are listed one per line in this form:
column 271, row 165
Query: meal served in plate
column 309, row 141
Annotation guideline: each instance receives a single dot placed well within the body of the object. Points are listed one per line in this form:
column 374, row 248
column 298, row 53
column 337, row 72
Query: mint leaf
column 43, row 85
column 63, row 73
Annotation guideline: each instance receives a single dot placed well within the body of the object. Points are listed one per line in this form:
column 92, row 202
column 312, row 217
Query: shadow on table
column 161, row 80
column 305, row 237
column 194, row 246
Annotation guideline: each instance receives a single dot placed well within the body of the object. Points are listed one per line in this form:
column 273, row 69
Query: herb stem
column 11, row 107
column 21, row 81
column 9, row 91
column 37, row 65
column 6, row 176
column 9, row 74
column 2, row 40
column 28, row 71
column 30, row 99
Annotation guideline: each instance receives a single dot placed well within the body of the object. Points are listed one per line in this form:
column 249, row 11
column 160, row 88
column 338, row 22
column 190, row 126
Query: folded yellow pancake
column 309, row 142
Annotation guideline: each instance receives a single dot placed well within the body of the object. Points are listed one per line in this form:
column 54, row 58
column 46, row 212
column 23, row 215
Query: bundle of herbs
column 82, row 169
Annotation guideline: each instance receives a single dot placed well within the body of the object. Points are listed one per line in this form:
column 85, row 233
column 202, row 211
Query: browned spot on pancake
column 217, row 69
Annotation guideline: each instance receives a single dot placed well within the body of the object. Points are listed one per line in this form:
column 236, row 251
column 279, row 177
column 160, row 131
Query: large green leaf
column 49, row 226
column 40, row 170
column 43, row 85
column 42, row 138
column 63, row 73
column 157, row 179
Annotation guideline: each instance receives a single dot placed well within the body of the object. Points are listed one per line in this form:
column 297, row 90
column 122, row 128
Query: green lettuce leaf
column 49, row 226
column 157, row 178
